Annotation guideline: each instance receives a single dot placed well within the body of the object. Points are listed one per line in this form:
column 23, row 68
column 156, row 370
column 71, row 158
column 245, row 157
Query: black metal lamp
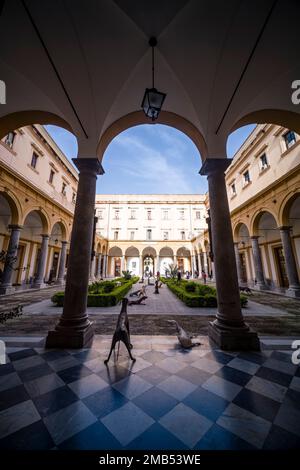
column 153, row 99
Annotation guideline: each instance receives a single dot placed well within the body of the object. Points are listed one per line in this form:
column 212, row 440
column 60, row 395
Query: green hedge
column 196, row 296
column 98, row 295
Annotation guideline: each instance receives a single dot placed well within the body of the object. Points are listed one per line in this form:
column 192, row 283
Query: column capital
column 285, row 228
column 45, row 235
column 214, row 165
column 15, row 227
column 64, row 242
column 255, row 237
column 89, row 164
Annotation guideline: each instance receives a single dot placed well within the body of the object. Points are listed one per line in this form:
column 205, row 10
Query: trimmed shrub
column 201, row 296
column 191, row 286
column 97, row 297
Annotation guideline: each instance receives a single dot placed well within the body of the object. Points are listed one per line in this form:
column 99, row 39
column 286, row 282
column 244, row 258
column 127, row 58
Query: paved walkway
column 164, row 303
column 168, row 399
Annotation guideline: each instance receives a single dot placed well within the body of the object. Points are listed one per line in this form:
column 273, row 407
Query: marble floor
column 167, row 399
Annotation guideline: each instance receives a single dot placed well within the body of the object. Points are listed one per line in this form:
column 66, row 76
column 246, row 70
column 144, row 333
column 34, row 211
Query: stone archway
column 166, row 258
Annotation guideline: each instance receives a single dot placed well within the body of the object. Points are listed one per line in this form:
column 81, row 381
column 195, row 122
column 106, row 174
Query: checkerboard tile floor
column 168, row 399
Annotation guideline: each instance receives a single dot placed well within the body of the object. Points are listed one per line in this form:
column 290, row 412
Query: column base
column 38, row 286
column 4, row 290
column 234, row 339
column 70, row 338
column 293, row 292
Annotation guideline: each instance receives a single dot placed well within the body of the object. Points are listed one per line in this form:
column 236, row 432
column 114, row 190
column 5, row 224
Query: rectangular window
column 197, row 214
column 166, row 235
column 182, row 235
column 246, row 176
column 149, row 234
column 63, row 189
column 132, row 214
column 9, row 140
column 73, row 197
column 289, row 139
column 181, row 214
column 117, row 214
column 34, row 160
column 116, row 235
column 165, row 215
column 263, row 161
column 51, row 176
column 100, row 214
column 132, row 235
column 149, row 214
column 233, row 189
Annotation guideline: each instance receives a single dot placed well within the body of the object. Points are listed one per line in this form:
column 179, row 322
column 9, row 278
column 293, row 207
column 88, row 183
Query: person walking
column 204, row 276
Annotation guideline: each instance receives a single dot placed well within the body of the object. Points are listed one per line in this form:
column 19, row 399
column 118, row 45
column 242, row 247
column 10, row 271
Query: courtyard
column 170, row 398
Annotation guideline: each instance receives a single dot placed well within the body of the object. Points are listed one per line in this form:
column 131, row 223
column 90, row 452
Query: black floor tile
column 156, row 438
column 280, row 439
column 74, row 373
column 194, row 375
column 274, row 376
column 258, row 404
column 156, row 403
column 112, row 374
column 12, row 396
column 35, row 372
column 234, row 375
column 15, row 356
column 55, row 400
column 96, row 436
column 6, row 368
column 53, row 355
column 33, row 437
column 218, row 438
column 105, row 401
column 206, row 403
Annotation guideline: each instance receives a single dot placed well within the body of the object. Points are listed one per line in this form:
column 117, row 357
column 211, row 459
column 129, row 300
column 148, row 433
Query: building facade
column 147, row 233
column 263, row 187
column 38, row 188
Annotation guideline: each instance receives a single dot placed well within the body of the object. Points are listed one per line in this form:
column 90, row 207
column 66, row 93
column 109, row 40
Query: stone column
column 200, row 265
column 6, row 284
column 238, row 263
column 258, row 267
column 141, row 266
column 105, row 261
column 93, row 268
column 290, row 262
column 39, row 278
column 62, row 263
column 193, row 265
column 99, row 266
column 74, row 329
column 229, row 330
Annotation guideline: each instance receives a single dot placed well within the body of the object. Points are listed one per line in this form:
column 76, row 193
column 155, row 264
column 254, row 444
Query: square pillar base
column 295, row 293
column 231, row 340
column 71, row 339
column 6, row 290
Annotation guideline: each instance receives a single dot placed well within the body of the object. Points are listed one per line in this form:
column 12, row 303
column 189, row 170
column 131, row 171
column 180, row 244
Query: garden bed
column 102, row 294
column 194, row 294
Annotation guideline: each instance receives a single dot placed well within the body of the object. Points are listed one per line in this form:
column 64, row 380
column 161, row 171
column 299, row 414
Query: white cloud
column 152, row 166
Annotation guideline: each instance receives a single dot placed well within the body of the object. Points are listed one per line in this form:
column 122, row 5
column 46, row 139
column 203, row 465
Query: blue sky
column 149, row 159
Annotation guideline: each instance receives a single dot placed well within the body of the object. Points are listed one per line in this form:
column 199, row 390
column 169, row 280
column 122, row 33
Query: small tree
column 127, row 275
column 172, row 271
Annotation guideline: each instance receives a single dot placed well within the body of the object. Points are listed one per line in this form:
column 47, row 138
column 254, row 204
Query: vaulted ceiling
column 84, row 64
